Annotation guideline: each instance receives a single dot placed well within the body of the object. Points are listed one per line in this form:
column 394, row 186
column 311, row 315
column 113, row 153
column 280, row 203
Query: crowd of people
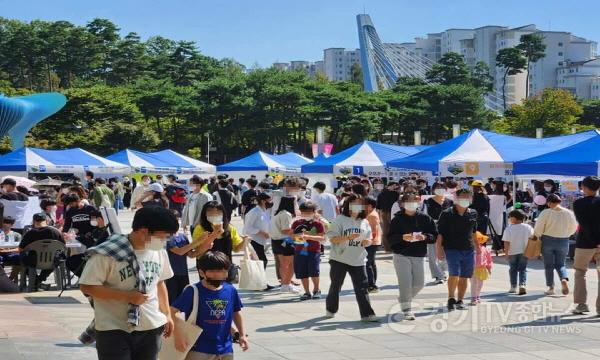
column 136, row 287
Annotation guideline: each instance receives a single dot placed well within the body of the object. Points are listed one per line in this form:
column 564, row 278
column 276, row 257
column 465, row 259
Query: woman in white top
column 280, row 233
column 554, row 226
column 257, row 225
column 350, row 234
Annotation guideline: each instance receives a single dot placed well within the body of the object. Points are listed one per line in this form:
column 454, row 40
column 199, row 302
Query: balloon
column 539, row 200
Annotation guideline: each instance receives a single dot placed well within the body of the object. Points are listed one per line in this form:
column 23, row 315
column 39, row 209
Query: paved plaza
column 532, row 326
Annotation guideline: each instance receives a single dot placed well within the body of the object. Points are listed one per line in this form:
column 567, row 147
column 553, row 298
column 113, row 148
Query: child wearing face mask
column 308, row 236
column 350, row 234
column 219, row 305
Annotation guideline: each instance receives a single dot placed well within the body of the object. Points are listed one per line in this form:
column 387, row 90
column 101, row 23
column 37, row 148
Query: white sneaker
column 513, row 290
column 408, row 315
column 329, row 315
column 550, row 291
column 290, row 289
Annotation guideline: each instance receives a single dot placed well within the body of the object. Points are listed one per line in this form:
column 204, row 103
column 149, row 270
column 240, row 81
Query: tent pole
column 514, row 194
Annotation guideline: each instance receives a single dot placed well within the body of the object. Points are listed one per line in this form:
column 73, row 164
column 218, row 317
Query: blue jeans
column 554, row 252
column 518, row 266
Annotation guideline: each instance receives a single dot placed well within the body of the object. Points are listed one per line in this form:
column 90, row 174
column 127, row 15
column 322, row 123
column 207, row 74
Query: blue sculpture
column 19, row 114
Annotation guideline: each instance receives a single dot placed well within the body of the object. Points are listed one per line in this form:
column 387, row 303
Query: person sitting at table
column 97, row 236
column 39, row 231
column 10, row 253
column 78, row 216
column 49, row 206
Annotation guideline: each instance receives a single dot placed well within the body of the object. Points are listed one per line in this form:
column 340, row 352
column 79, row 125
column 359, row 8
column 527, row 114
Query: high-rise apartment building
column 338, row 62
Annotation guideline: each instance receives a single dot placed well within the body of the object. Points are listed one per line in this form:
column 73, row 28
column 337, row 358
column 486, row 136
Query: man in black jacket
column 587, row 213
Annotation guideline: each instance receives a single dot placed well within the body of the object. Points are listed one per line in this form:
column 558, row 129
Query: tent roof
column 257, row 161
column 292, row 159
column 178, row 160
column 367, row 153
column 68, row 160
column 580, row 159
column 484, row 146
column 137, row 159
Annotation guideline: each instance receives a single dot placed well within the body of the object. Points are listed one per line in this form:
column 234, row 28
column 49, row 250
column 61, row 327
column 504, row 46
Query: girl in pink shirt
column 483, row 268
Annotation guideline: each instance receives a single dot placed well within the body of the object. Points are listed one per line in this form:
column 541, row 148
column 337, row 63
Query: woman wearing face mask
column 155, row 196
column 410, row 233
column 79, row 191
column 481, row 204
column 280, row 230
column 554, row 226
column 350, row 234
column 257, row 225
column 216, row 233
column 434, row 207
column 127, row 188
column 138, row 193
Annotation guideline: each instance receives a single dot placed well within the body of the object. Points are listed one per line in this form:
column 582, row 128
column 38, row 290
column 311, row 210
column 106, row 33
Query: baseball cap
column 476, row 183
column 39, row 217
column 156, row 187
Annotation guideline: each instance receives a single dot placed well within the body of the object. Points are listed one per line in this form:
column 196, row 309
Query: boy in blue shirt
column 219, row 305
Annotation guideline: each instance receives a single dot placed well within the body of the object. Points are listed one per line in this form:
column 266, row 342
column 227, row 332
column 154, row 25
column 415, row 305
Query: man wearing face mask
column 96, row 236
column 125, row 276
column 78, row 215
column 138, row 193
column 456, row 244
column 194, row 204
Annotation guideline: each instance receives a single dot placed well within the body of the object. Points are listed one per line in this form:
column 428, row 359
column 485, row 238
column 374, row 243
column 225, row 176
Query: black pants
column 29, row 259
column 371, row 266
column 260, row 252
column 121, row 345
column 175, row 286
column 358, row 274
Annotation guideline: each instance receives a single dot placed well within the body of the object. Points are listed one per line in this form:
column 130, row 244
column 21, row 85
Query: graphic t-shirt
column 309, row 227
column 118, row 275
column 349, row 252
column 215, row 314
column 79, row 218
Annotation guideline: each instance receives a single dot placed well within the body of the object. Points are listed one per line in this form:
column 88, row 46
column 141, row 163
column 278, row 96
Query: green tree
column 591, row 113
column 533, row 48
column 357, row 75
column 481, row 78
column 451, row 69
column 554, row 110
column 513, row 62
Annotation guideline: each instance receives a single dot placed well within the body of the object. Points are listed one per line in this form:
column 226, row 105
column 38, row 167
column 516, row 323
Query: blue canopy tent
column 481, row 153
column 581, row 159
column 259, row 161
column 292, row 160
column 142, row 163
column 183, row 164
column 368, row 158
column 25, row 161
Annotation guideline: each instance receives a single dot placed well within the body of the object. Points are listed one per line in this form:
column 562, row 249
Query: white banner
column 22, row 211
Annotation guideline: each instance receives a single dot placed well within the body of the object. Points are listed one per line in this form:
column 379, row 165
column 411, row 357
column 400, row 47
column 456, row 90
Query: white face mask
column 439, row 192
column 307, row 218
column 302, row 194
column 379, row 186
column 411, row 206
column 215, row 220
column 293, row 193
column 548, row 188
column 356, row 209
column 146, row 182
column 464, row 203
column 94, row 223
column 192, row 187
column 65, row 191
column 155, row 244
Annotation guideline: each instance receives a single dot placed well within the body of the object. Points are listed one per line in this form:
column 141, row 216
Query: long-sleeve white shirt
column 255, row 221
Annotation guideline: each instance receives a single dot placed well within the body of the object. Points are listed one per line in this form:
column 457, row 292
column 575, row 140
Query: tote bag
column 533, row 249
column 188, row 328
column 252, row 272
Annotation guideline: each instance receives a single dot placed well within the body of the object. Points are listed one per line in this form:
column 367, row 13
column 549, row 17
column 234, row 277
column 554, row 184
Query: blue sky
column 265, row 31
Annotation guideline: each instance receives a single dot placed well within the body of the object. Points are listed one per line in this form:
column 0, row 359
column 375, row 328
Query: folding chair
column 49, row 255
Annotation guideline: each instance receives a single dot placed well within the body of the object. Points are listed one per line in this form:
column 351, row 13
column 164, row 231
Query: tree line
column 125, row 92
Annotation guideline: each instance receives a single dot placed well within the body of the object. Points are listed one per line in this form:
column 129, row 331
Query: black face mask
column 268, row 205
column 214, row 282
